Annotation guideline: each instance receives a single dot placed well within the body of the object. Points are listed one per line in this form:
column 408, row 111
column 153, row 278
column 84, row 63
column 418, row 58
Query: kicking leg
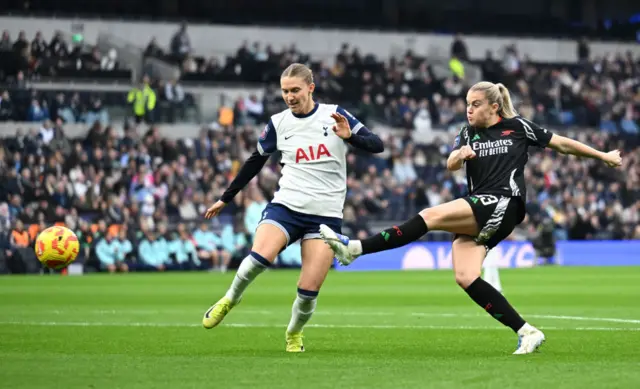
column 316, row 262
column 455, row 216
column 268, row 242
column 467, row 264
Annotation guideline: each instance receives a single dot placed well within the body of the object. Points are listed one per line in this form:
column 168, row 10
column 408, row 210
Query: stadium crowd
column 23, row 59
column 135, row 199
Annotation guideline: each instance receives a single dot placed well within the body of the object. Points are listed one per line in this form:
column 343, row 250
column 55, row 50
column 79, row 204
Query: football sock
column 491, row 274
column 249, row 269
column 495, row 304
column 395, row 236
column 302, row 309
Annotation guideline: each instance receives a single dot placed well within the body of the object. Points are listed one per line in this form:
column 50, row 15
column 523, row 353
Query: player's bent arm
column 250, row 169
column 566, row 145
column 366, row 140
column 454, row 162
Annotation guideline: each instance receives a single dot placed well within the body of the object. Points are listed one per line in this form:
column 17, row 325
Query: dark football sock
column 395, row 236
column 495, row 304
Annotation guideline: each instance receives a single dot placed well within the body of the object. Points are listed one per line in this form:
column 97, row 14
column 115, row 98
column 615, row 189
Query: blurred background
column 124, row 120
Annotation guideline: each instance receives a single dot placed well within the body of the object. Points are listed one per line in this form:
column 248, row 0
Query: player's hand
column 341, row 128
column 466, row 153
column 613, row 158
column 215, row 209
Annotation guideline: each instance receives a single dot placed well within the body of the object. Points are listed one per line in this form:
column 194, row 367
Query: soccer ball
column 56, row 247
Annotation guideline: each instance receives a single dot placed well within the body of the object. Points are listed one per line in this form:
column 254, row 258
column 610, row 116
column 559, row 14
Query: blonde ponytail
column 506, row 109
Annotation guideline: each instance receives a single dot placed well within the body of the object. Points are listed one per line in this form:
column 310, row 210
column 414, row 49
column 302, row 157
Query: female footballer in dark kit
column 493, row 146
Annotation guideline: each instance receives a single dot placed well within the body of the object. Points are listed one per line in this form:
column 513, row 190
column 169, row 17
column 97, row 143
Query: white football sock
column 355, row 247
column 526, row 328
column 491, row 274
column 249, row 269
column 301, row 312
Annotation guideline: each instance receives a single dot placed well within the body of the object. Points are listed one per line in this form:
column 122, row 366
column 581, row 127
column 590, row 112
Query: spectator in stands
column 5, row 218
column 208, row 245
column 110, row 61
column 254, row 205
column 583, row 50
column 100, row 232
column 161, row 244
column 39, row 46
column 22, row 255
column 21, row 44
column 150, row 254
column 91, row 61
column 459, row 48
column 47, row 131
column 253, row 110
column 125, row 248
column 109, row 253
column 143, row 101
column 5, row 42
column 153, row 49
column 174, row 95
column 96, row 113
column 183, row 249
column 6, row 107
column 181, row 44
column 234, row 241
column 58, row 47
column 37, row 112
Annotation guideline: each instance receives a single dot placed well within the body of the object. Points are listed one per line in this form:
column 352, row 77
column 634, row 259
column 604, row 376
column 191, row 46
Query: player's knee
column 465, row 277
column 266, row 249
column 433, row 217
column 309, row 284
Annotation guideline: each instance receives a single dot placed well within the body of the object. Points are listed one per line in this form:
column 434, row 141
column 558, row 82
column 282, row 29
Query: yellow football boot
column 294, row 342
column 217, row 312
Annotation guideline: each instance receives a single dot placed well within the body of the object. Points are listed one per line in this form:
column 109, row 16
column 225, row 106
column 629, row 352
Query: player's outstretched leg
column 316, row 262
column 268, row 242
column 467, row 257
column 455, row 216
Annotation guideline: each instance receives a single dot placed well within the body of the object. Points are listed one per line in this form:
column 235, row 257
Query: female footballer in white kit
column 313, row 141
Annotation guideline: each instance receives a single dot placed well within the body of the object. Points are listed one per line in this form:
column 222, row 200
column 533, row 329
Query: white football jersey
column 314, row 176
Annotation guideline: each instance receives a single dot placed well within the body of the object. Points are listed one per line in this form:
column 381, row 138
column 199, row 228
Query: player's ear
column 312, row 87
column 495, row 107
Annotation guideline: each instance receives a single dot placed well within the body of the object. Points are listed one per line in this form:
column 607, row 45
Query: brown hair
column 298, row 70
column 497, row 94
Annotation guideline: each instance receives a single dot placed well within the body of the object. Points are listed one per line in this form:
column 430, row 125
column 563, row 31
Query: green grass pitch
column 371, row 330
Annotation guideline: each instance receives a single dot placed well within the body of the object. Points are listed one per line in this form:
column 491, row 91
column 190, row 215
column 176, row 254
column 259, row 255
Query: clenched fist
column 613, row 158
column 466, row 153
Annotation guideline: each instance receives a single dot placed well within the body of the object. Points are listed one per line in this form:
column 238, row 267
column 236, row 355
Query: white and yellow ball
column 56, row 247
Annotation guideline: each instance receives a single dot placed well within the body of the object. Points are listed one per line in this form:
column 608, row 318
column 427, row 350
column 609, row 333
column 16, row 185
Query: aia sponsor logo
column 312, row 154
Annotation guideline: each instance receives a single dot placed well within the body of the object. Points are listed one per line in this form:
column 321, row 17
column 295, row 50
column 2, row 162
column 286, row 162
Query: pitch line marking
column 363, row 313
column 254, row 325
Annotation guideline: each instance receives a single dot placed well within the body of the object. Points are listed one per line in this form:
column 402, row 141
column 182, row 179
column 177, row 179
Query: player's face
column 297, row 94
column 479, row 111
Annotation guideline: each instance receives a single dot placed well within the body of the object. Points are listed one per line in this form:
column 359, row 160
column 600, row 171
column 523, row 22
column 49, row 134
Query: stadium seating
column 136, row 180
